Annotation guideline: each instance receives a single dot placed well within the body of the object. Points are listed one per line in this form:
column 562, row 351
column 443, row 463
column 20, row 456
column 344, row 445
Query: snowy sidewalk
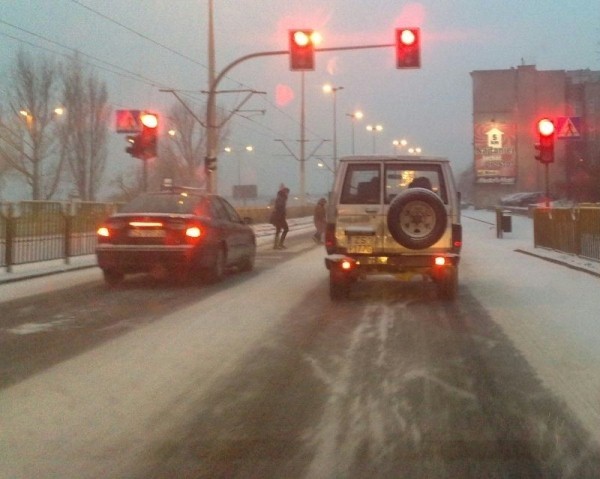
column 264, row 235
column 521, row 240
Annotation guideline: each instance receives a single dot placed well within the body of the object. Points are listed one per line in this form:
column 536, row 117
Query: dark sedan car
column 175, row 233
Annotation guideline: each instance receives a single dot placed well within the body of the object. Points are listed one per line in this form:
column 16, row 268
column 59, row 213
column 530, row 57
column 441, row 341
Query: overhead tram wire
column 145, row 37
column 123, row 71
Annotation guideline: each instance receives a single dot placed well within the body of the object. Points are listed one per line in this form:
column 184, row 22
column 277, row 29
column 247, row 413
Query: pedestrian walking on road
column 319, row 218
column 279, row 218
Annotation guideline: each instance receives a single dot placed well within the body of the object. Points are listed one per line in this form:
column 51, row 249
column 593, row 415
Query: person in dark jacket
column 279, row 218
column 319, row 218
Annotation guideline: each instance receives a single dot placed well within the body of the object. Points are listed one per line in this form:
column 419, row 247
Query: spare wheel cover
column 417, row 218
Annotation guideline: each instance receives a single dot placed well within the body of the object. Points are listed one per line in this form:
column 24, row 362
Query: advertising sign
column 495, row 153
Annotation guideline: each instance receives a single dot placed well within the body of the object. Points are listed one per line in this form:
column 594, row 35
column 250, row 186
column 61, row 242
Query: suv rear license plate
column 360, row 244
column 147, row 233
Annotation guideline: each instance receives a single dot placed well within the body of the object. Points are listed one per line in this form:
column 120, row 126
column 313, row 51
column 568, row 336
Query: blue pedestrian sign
column 568, row 128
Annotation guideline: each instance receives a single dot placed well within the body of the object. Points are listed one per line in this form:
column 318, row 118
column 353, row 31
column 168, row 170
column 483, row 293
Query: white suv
column 398, row 215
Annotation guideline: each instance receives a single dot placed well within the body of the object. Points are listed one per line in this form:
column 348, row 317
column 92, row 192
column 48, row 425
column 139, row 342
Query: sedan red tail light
column 193, row 232
column 103, row 231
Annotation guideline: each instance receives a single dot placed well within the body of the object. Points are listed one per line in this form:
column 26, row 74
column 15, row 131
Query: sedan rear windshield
column 164, row 203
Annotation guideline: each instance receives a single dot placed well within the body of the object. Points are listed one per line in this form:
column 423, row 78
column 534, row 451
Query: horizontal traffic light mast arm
column 228, row 68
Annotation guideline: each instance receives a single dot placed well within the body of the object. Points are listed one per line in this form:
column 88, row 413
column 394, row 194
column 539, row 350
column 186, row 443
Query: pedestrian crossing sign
column 568, row 128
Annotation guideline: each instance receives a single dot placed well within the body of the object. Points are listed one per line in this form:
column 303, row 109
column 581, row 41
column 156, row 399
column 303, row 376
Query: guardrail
column 32, row 231
column 573, row 230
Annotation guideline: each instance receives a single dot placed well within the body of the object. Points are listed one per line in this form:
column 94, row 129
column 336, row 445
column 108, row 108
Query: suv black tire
column 405, row 218
column 339, row 286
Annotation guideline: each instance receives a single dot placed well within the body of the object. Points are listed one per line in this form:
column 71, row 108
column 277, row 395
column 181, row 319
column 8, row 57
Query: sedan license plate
column 142, row 233
column 361, row 244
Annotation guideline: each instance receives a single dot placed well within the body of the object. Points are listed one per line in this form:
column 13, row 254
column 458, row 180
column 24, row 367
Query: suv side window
column 361, row 185
column 402, row 177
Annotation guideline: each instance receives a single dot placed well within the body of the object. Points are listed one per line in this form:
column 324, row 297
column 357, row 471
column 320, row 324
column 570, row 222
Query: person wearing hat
column 319, row 218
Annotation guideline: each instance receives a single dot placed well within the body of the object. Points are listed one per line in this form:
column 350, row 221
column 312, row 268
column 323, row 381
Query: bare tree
column 84, row 131
column 182, row 155
column 28, row 129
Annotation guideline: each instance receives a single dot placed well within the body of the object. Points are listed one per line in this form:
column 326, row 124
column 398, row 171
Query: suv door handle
column 371, row 210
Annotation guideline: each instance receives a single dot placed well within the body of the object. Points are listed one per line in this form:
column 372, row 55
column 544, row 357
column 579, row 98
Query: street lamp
column 398, row 144
column 357, row 115
column 415, row 151
column 374, row 129
column 249, row 149
column 327, row 88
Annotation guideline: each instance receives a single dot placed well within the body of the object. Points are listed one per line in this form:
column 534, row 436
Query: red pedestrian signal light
column 408, row 48
column 545, row 147
column 302, row 49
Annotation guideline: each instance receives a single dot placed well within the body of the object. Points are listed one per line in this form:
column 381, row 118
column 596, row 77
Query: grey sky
column 430, row 107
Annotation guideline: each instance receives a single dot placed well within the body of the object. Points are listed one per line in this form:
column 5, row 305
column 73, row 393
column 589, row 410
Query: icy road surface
column 263, row 376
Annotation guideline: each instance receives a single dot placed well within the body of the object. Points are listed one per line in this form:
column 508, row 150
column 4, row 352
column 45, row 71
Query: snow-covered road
column 348, row 374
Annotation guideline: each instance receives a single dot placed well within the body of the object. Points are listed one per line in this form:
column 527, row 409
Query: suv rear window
column 361, row 185
column 400, row 177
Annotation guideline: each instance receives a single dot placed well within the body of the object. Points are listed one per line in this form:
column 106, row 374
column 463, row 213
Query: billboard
column 495, row 153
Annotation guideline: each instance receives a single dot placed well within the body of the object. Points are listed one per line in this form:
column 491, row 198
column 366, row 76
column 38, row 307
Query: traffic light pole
column 212, row 129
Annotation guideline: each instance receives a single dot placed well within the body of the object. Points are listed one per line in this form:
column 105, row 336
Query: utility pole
column 211, row 120
column 302, row 142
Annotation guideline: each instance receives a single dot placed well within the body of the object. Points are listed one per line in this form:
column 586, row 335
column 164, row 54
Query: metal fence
column 571, row 230
column 33, row 231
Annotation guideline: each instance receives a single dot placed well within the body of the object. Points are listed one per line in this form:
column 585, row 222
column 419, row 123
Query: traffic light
column 149, row 134
column 545, row 147
column 210, row 164
column 135, row 146
column 408, row 48
column 302, row 49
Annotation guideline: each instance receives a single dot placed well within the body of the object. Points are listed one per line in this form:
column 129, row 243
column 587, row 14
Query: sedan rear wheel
column 112, row 278
column 216, row 272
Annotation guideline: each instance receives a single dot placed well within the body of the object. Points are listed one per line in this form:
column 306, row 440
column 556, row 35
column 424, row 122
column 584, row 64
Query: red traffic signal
column 302, row 49
column 545, row 147
column 149, row 134
column 408, row 48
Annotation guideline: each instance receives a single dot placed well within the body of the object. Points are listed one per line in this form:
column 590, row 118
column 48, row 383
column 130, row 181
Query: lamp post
column 249, row 149
column 374, row 129
column 399, row 144
column 327, row 88
column 357, row 115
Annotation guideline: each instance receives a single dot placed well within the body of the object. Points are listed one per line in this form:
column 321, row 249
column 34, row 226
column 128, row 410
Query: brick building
column 506, row 107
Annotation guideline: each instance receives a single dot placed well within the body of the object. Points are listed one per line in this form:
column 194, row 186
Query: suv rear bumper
column 356, row 266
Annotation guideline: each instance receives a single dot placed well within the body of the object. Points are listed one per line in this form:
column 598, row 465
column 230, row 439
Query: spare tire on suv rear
column 417, row 218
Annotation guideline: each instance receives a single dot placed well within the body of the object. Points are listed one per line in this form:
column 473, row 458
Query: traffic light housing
column 408, row 48
column 302, row 49
column 135, row 146
column 149, row 134
column 545, row 146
